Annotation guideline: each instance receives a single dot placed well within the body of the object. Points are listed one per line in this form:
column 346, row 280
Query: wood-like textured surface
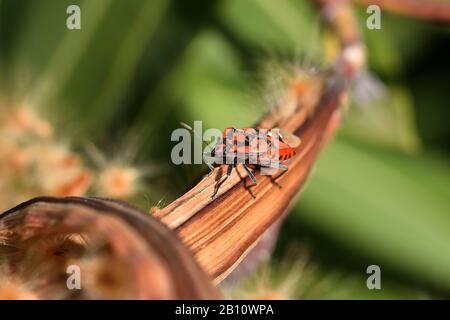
column 222, row 229
column 116, row 237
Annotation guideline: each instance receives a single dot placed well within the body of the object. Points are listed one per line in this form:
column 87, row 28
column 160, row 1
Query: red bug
column 258, row 147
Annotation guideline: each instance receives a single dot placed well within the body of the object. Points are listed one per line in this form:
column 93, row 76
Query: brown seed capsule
column 91, row 248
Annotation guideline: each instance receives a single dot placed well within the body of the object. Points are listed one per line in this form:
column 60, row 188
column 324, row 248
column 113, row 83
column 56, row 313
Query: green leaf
column 378, row 205
column 280, row 25
column 389, row 121
column 207, row 84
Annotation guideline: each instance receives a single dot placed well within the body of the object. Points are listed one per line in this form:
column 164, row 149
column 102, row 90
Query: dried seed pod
column 118, row 251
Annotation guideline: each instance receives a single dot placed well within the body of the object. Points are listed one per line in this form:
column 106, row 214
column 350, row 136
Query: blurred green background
column 380, row 193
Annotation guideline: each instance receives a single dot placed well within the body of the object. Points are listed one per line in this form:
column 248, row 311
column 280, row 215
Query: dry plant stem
column 222, row 230
column 433, row 10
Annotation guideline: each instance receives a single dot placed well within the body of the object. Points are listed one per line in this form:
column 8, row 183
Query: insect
column 251, row 147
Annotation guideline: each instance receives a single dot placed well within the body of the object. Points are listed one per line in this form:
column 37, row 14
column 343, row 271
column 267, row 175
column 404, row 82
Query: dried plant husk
column 121, row 252
column 222, row 230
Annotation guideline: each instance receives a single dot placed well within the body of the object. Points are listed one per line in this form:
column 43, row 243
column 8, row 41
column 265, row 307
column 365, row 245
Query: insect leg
column 211, row 168
column 247, row 187
column 280, row 166
column 222, row 179
column 250, row 174
column 207, row 159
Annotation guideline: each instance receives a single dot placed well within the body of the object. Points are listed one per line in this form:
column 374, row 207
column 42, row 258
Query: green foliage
column 380, row 194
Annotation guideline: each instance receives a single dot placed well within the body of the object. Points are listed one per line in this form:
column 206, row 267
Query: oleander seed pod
column 118, row 251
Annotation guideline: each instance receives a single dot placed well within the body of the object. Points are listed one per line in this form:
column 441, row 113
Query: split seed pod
column 115, row 250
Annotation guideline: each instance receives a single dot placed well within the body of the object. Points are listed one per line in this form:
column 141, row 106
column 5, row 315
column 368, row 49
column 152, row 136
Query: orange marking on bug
column 254, row 146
